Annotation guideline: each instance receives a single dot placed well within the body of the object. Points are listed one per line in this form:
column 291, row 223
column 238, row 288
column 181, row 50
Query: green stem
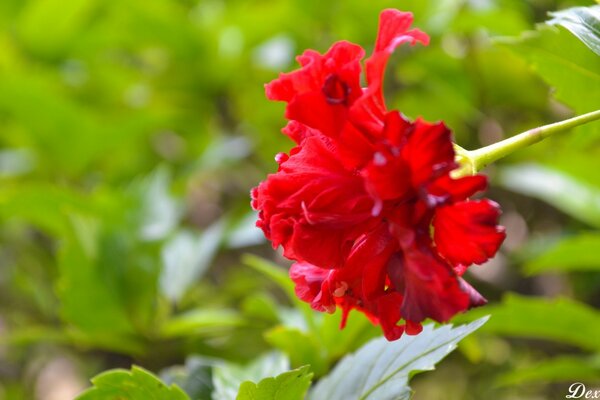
column 475, row 160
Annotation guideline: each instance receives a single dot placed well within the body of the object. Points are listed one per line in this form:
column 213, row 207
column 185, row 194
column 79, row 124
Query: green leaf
column 201, row 321
column 577, row 253
column 380, row 370
column 583, row 22
column 271, row 270
column 186, row 257
column 301, row 347
column 565, row 63
column 281, row 278
column 139, row 384
column 562, row 320
column 227, row 378
column 47, row 26
column 558, row 369
column 88, row 283
column 195, row 377
column 578, row 199
column 156, row 211
column 290, row 385
column 43, row 206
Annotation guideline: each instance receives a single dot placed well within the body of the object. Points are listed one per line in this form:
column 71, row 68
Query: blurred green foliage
column 131, row 133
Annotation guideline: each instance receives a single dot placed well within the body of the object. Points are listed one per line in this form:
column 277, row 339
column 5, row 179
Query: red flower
column 365, row 203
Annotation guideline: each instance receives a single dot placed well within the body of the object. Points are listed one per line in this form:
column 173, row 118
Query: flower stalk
column 473, row 161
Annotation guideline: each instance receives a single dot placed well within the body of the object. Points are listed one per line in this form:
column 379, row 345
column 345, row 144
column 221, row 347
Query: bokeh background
column 131, row 133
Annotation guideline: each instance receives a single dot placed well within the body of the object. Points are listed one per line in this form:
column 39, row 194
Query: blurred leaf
column 15, row 162
column 186, row 257
column 281, row 278
column 301, row 347
column 43, row 206
column 261, row 306
column 271, row 270
column 195, row 378
column 562, row 320
column 47, row 26
column 158, row 211
column 558, row 369
column 381, row 369
column 579, row 200
column 577, row 253
column 66, row 135
column 245, row 232
column 565, row 64
column 87, row 284
column 139, row 384
column 200, row 321
column 337, row 342
column 290, row 385
column 227, row 378
column 583, row 22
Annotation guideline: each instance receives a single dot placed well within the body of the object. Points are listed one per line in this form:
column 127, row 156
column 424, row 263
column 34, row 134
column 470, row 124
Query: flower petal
column 393, row 31
column 467, row 232
column 313, row 206
column 320, row 93
column 312, row 284
column 431, row 288
column 428, row 152
column 446, row 189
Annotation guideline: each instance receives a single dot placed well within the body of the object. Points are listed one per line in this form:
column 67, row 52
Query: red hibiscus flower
column 365, row 203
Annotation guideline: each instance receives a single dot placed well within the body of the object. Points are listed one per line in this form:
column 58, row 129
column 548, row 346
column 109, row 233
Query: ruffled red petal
column 467, row 232
column 312, row 286
column 428, row 152
column 446, row 189
column 431, row 288
column 313, row 206
column 370, row 109
column 320, row 93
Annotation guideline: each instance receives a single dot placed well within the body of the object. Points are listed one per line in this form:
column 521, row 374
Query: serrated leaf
column 380, row 370
column 227, row 377
column 564, row 63
column 137, row 384
column 291, row 385
column 583, row 22
column 577, row 253
column 578, row 199
column 562, row 320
